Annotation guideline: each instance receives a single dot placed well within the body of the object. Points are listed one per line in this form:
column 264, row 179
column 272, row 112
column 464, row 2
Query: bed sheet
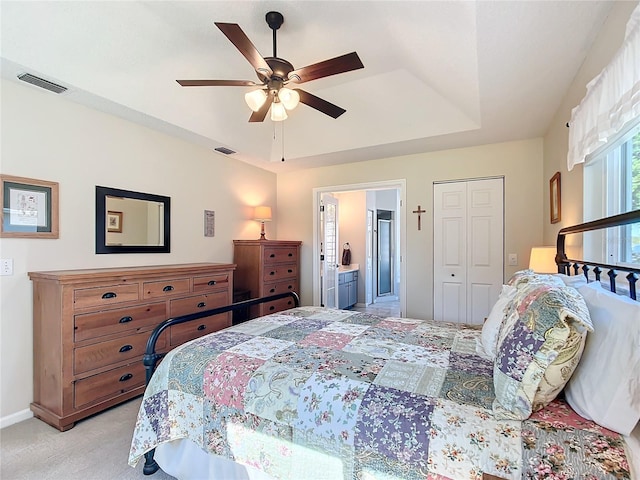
column 359, row 396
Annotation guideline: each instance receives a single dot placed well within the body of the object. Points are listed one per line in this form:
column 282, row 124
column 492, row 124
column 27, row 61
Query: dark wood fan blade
column 344, row 63
column 235, row 34
column 260, row 115
column 320, row 104
column 217, row 83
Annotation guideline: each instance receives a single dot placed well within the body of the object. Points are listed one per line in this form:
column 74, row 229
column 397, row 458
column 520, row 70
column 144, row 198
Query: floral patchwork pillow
column 539, row 347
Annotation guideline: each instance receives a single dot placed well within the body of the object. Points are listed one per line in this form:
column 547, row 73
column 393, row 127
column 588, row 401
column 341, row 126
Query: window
column 612, row 186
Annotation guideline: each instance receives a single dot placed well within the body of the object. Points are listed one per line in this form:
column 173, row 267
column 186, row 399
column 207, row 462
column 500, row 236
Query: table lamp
column 262, row 214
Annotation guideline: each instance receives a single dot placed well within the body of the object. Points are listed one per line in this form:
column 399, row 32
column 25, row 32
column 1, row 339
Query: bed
column 333, row 394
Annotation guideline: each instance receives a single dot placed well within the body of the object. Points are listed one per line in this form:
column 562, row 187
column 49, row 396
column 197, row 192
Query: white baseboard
column 14, row 418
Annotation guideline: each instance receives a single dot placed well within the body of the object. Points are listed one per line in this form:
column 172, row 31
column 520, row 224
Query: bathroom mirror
column 132, row 222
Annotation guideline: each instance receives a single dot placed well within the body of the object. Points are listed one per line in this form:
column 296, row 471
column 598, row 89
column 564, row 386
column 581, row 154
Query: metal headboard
column 570, row 266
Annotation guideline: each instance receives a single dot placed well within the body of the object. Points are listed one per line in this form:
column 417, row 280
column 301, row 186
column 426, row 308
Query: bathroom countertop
column 349, row 268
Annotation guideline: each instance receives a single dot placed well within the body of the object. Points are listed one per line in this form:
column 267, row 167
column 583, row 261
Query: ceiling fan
column 275, row 74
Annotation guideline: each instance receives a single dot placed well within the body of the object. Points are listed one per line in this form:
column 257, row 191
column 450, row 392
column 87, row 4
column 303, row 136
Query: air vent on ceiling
column 225, row 150
column 42, row 83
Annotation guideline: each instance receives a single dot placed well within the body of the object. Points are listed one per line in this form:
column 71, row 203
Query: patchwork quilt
column 345, row 395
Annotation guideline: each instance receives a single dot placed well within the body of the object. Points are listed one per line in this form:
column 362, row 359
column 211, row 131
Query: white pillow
column 575, row 281
column 487, row 347
column 605, row 387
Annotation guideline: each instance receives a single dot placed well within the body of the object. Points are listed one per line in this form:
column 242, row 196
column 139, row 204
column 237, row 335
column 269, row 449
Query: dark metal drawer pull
column 290, row 287
column 125, row 319
column 125, row 348
column 109, row 295
column 126, row 377
column 202, row 305
column 272, row 290
column 289, row 302
column 272, row 255
column 211, row 282
column 272, row 307
column 168, row 288
column 290, row 270
column 272, row 273
column 202, row 327
column 290, row 254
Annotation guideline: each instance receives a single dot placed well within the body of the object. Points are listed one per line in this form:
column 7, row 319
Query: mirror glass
column 131, row 222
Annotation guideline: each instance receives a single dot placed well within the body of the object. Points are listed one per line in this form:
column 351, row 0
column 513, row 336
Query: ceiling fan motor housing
column 280, row 68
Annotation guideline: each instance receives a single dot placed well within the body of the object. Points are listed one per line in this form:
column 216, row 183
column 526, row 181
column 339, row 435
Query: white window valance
column 612, row 101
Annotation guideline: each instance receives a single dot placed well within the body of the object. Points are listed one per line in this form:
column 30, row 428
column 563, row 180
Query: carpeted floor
column 97, row 448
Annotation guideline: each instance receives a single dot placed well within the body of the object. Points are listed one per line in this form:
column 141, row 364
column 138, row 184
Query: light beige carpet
column 97, row 448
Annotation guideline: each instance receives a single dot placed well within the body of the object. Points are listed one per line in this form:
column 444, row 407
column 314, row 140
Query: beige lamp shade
column 542, row 260
column 262, row 214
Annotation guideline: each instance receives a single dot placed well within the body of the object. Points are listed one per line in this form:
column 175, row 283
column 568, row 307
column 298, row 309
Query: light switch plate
column 513, row 259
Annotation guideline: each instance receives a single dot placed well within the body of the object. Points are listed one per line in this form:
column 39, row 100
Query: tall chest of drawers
column 90, row 329
column 267, row 267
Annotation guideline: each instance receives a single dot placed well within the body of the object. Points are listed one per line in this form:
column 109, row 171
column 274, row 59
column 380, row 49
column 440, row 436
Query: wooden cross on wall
column 419, row 211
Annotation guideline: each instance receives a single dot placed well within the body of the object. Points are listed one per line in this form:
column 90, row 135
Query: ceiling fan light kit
column 275, row 73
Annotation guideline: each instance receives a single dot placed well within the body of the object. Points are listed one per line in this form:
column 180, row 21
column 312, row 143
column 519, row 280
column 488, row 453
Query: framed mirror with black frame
column 132, row 222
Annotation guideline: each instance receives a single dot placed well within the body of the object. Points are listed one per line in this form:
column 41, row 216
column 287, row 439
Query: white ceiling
column 437, row 74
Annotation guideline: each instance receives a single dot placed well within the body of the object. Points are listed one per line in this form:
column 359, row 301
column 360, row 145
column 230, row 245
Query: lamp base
column 262, row 237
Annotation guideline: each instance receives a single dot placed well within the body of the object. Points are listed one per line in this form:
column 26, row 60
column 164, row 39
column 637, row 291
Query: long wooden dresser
column 90, row 329
column 267, row 267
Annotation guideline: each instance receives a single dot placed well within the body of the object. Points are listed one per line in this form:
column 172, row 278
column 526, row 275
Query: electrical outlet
column 6, row 266
column 513, row 259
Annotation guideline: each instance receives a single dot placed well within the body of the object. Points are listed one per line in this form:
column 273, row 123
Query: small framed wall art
column 114, row 222
column 28, row 208
column 554, row 198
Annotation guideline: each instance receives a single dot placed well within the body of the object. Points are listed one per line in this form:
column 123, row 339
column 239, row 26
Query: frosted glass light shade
column 255, row 99
column 542, row 260
column 289, row 98
column 278, row 112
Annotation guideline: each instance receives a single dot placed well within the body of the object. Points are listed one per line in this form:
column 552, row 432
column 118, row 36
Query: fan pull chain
column 282, row 141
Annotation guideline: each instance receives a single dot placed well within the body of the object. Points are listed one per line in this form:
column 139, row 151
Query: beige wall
column 519, row 162
column 45, row 136
column 352, row 228
column 556, row 139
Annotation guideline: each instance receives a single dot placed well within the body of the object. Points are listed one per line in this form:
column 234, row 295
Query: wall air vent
column 42, row 83
column 225, row 150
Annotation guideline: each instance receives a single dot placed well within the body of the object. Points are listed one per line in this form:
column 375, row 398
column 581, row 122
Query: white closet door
column 468, row 249
column 450, row 254
column 485, row 247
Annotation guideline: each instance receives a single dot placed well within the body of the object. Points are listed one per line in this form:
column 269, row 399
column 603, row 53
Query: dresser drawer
column 197, row 303
column 290, row 285
column 91, row 325
column 277, row 272
column 211, row 283
column 105, row 295
column 109, row 384
column 277, row 305
column 280, row 254
column 102, row 354
column 165, row 288
column 197, row 328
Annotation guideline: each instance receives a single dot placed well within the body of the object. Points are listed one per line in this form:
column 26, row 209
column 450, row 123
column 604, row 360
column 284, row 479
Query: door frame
column 401, row 186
